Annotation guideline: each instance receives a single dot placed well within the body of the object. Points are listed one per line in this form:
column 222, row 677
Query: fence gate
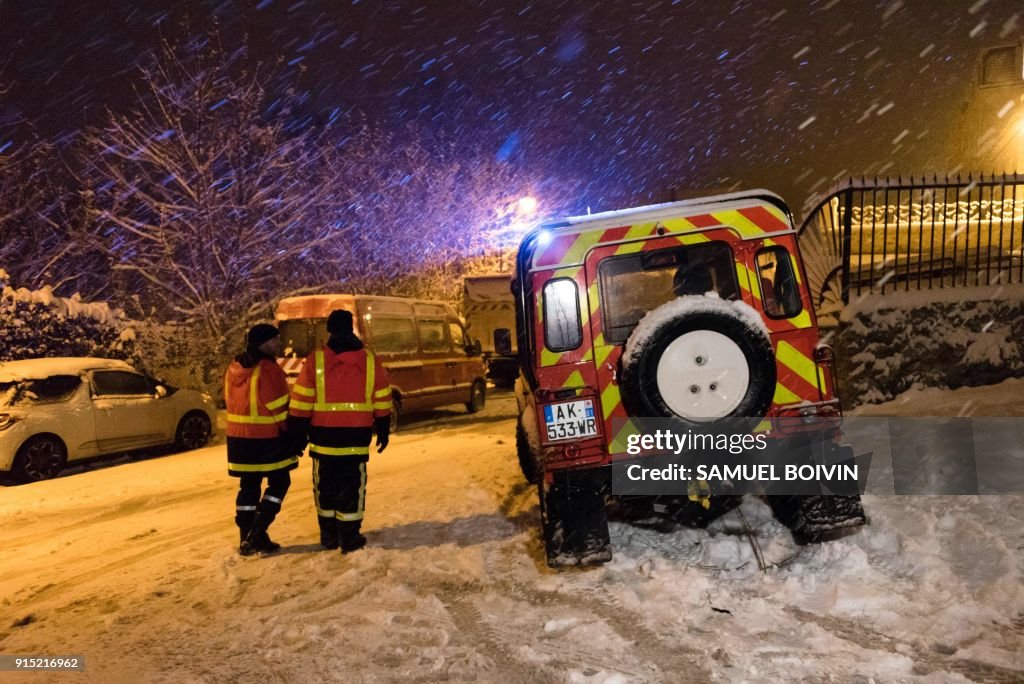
column 875, row 236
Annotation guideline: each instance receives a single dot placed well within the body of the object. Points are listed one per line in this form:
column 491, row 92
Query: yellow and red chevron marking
column 571, row 246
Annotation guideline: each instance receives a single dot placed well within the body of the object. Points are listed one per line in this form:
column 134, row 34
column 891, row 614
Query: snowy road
column 134, row 567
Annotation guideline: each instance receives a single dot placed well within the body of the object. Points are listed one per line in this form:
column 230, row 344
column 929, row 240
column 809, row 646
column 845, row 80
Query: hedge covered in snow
column 948, row 339
column 37, row 323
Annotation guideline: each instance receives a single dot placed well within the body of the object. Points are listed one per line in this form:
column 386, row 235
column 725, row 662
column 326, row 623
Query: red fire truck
column 696, row 311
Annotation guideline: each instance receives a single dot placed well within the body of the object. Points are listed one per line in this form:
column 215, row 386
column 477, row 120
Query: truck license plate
column 570, row 420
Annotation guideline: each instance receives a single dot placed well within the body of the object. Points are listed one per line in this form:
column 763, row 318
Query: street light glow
column 528, row 206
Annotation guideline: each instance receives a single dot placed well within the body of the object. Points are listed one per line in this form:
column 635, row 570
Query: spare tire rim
column 703, row 375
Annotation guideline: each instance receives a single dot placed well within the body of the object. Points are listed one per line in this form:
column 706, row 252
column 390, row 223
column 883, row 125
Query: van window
column 300, row 336
column 393, row 335
column 458, row 337
column 432, row 336
column 780, row 293
column 562, row 329
column 635, row 284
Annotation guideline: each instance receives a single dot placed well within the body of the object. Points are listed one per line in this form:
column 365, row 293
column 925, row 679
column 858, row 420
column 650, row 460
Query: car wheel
column 477, row 397
column 40, row 458
column 193, row 431
column 396, row 415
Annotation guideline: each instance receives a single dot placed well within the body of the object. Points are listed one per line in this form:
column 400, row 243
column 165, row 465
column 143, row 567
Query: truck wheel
column 39, row 458
column 477, row 397
column 702, row 360
column 527, row 461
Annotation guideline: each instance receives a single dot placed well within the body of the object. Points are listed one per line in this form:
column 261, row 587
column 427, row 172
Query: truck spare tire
column 702, row 360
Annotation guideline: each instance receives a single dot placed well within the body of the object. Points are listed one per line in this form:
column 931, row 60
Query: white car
column 54, row 411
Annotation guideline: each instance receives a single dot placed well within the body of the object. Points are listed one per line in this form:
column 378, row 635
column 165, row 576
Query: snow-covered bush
column 887, row 346
column 37, row 323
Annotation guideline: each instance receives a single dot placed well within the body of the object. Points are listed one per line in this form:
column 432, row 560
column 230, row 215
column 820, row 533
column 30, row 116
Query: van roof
column 750, row 214
column 320, row 305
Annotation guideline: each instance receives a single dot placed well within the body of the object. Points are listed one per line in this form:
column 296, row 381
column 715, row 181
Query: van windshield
column 301, row 336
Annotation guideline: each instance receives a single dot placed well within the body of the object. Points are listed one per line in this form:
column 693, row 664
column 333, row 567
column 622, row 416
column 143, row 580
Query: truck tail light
column 824, row 355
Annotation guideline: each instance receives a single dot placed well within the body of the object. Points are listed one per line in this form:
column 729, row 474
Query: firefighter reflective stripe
column 382, row 393
column 277, row 403
column 261, row 467
column 340, row 451
column 304, row 391
column 274, row 499
column 358, row 513
column 245, row 508
column 254, row 417
column 321, row 389
column 322, row 512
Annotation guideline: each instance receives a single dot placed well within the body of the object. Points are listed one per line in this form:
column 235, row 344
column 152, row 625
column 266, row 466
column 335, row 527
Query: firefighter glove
column 382, row 427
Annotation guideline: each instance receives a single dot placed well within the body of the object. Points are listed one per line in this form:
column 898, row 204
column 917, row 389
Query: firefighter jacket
column 341, row 394
column 256, row 395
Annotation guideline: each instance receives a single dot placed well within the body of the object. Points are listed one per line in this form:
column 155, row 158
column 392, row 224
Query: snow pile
column 453, row 585
column 939, row 338
column 710, row 302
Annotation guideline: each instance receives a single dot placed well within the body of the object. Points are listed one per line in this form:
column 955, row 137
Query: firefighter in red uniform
column 256, row 394
column 341, row 399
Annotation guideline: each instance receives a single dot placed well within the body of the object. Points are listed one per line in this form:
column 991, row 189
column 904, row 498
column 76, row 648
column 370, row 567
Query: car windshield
column 49, row 390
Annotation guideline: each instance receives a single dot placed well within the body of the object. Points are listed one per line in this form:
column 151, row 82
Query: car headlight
column 7, row 420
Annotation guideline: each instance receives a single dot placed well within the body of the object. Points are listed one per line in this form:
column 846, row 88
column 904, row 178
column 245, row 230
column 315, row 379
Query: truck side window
column 562, row 328
column 780, row 292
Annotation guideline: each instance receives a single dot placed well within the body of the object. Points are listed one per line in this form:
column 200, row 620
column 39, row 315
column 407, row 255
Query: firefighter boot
column 244, row 521
column 328, row 533
column 259, row 541
column 349, row 538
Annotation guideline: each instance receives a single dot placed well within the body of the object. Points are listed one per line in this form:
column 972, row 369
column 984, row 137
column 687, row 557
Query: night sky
column 626, row 99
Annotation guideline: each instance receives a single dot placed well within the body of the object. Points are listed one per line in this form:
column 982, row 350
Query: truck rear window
column 635, row 284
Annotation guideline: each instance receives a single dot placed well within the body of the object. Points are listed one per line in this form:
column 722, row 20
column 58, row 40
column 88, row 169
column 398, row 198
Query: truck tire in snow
column 527, row 459
column 699, row 359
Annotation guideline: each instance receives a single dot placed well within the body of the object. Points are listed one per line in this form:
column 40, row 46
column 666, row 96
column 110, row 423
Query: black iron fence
column 881, row 236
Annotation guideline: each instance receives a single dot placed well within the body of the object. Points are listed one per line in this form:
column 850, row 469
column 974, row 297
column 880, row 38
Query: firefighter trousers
column 254, row 510
column 339, row 493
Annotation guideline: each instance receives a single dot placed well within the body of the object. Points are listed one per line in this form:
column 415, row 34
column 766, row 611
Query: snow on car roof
column 37, row 369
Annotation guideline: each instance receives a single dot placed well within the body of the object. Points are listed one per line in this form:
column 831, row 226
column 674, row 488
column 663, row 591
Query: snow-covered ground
column 134, row 567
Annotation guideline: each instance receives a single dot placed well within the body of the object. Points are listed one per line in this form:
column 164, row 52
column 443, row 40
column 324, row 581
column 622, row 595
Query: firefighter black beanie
column 260, row 333
column 339, row 322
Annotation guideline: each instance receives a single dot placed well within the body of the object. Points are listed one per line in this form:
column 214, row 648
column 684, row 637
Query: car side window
column 121, row 383
column 432, row 336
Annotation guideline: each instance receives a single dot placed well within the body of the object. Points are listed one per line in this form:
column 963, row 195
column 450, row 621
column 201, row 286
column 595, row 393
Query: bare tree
column 203, row 200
